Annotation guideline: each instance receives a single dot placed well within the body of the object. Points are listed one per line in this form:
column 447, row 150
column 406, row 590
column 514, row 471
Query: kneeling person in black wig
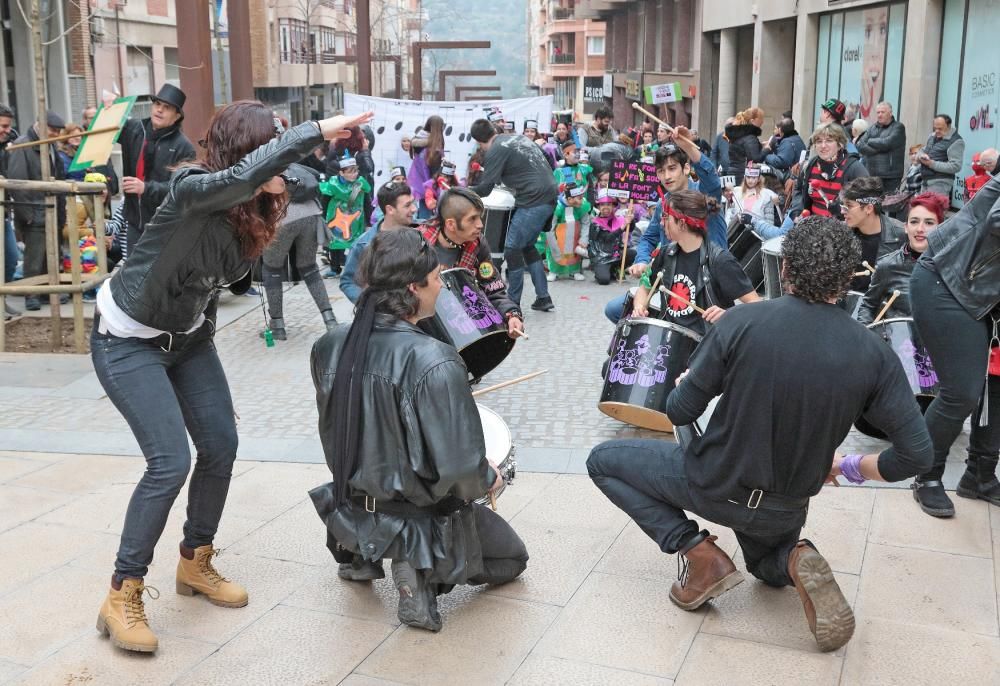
column 404, row 441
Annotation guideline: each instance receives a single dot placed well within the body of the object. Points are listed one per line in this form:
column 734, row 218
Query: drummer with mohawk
column 457, row 240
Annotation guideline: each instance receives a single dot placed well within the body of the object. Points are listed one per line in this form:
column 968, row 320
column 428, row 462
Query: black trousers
column 605, row 271
column 646, row 479
column 958, row 346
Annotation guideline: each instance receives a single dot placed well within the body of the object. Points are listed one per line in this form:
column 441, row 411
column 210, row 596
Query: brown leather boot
column 704, row 572
column 195, row 574
column 830, row 618
column 123, row 616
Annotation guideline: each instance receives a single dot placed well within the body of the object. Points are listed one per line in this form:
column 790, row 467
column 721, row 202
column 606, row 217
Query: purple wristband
column 850, row 467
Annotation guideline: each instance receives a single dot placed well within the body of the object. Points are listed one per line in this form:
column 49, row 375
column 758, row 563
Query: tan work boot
column 707, row 573
column 830, row 618
column 123, row 616
column 195, row 574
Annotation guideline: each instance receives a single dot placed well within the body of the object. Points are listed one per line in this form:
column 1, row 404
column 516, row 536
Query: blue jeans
column 11, row 252
column 163, row 396
column 646, row 479
column 613, row 310
column 520, row 253
column 957, row 344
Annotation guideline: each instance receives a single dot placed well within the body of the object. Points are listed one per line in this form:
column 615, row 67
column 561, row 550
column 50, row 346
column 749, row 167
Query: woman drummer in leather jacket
column 154, row 355
column 955, row 295
column 892, row 271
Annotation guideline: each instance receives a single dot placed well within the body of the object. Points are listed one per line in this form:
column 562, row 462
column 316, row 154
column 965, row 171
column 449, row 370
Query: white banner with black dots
column 395, row 119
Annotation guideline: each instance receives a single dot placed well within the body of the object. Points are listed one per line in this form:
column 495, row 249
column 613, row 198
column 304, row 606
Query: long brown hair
column 434, row 126
column 235, row 131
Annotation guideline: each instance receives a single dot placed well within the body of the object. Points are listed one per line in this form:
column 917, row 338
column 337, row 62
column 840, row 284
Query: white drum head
column 499, row 199
column 772, row 246
column 497, row 435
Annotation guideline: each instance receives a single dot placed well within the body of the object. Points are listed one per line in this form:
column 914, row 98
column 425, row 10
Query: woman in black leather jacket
column 892, row 272
column 154, row 355
column 955, row 294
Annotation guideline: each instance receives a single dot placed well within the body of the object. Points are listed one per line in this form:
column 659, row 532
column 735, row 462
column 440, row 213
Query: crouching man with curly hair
column 793, row 375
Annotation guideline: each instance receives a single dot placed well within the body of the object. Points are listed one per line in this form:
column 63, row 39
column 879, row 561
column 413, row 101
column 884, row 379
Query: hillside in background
column 502, row 23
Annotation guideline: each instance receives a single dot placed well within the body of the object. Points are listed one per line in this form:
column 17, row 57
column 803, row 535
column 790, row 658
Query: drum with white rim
column 499, row 208
column 499, row 448
column 770, row 251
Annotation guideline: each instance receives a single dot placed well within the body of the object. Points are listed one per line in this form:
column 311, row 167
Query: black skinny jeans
column 646, row 479
column 958, row 345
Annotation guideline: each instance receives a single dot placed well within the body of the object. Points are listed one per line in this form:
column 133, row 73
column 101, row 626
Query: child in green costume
column 566, row 243
column 345, row 215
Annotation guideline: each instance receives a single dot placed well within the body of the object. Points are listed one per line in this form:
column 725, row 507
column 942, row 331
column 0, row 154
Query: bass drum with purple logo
column 467, row 319
column 648, row 356
column 901, row 335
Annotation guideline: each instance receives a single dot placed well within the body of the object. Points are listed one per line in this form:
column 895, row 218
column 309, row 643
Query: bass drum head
column 642, row 417
column 499, row 448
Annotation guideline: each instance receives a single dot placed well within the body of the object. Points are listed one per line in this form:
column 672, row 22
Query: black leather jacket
column 421, row 441
column 965, row 252
column 892, row 273
column 189, row 251
column 163, row 149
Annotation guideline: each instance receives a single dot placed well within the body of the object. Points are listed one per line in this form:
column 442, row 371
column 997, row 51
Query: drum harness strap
column 704, row 276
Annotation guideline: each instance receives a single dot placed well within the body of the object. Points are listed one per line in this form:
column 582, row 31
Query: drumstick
column 682, row 299
column 862, row 273
column 885, row 308
column 521, row 334
column 635, row 105
column 493, row 501
column 504, row 384
column 628, row 226
column 868, row 266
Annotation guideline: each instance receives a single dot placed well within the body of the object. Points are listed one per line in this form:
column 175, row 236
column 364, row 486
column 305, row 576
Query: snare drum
column 499, row 448
column 655, row 307
column 499, row 206
column 688, row 433
column 771, row 253
column 745, row 246
column 466, row 317
column 648, row 357
column 901, row 335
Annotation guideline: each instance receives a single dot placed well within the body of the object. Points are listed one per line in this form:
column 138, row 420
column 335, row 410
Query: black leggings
column 604, row 271
column 958, row 346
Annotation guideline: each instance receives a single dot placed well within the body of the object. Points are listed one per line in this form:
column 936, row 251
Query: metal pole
column 222, row 58
column 240, row 59
column 364, row 47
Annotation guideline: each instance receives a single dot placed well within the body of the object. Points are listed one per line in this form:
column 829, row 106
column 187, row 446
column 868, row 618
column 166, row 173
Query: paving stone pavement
column 54, row 403
column 591, row 608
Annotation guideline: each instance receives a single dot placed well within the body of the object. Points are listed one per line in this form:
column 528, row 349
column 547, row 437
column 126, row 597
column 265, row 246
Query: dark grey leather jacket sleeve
column 218, row 191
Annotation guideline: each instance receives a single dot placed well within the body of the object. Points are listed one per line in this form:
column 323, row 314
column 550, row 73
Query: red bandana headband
column 687, row 219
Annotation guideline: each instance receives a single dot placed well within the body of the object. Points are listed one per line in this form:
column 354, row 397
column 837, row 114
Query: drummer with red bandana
column 457, row 239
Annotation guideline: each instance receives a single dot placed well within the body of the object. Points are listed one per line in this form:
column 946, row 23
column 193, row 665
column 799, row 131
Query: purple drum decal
column 474, row 312
column 641, row 364
column 922, row 373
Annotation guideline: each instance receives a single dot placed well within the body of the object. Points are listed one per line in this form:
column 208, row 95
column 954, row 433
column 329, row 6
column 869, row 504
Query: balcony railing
column 562, row 13
column 308, row 57
column 564, row 58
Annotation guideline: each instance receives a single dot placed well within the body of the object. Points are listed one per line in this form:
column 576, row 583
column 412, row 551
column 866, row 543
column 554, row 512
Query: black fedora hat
column 172, row 95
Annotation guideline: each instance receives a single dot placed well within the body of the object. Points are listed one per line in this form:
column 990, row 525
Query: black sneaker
column 931, row 497
column 360, row 569
column 32, row 303
column 543, row 304
column 417, row 607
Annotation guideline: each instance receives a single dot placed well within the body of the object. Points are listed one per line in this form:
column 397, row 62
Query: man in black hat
column 150, row 149
column 29, row 206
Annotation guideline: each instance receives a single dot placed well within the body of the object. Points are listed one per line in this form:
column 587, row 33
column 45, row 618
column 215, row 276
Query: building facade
column 567, row 55
column 653, row 57
column 921, row 56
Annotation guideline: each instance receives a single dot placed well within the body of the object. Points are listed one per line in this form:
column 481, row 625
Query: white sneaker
column 579, row 277
column 550, row 277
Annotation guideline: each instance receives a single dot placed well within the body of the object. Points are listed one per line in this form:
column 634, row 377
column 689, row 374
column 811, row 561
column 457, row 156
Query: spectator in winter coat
column 825, row 175
column 788, row 149
column 883, row 147
column 942, row 156
column 720, row 152
column 744, row 141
